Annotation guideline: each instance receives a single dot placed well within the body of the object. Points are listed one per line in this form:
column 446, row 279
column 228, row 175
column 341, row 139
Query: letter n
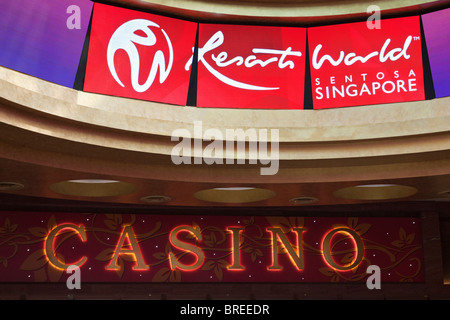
column 296, row 257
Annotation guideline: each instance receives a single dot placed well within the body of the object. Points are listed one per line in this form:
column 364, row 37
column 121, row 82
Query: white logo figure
column 125, row 38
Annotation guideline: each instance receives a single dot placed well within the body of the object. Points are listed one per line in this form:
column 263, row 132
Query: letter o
column 326, row 249
column 384, row 87
column 380, row 77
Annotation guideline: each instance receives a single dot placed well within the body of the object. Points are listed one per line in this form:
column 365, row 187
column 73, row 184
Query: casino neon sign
column 43, row 247
column 128, row 245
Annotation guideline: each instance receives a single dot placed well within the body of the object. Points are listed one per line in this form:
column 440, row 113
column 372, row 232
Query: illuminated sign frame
column 251, row 66
column 139, row 55
column 262, row 67
column 352, row 65
column 149, row 248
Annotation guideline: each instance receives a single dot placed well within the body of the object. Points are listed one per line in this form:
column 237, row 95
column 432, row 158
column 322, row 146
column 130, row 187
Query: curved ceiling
column 52, row 135
column 307, row 12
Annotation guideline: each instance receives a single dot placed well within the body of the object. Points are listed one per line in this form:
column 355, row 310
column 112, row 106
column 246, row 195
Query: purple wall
column 437, row 34
column 35, row 39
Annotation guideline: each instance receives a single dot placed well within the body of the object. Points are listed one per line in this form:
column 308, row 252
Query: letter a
column 373, row 281
column 181, row 153
column 132, row 249
column 74, row 21
column 374, row 21
column 74, row 281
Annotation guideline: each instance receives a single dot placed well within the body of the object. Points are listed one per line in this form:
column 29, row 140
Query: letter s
column 319, row 94
column 174, row 263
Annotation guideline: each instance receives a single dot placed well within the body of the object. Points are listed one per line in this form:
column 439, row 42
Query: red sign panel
column 139, row 55
column 251, row 67
column 353, row 65
column 40, row 247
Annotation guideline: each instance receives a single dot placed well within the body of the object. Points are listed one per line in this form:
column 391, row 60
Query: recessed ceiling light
column 10, row 186
column 235, row 188
column 445, row 193
column 303, row 200
column 93, row 181
column 235, row 195
column 93, row 188
column 375, row 185
column 376, row 192
column 156, row 199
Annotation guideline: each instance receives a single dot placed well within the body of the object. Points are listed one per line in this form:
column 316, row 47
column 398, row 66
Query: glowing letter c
column 49, row 248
